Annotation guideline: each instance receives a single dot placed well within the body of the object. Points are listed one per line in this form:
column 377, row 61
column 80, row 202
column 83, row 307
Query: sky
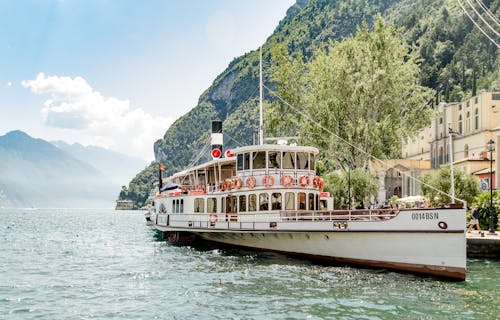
column 117, row 73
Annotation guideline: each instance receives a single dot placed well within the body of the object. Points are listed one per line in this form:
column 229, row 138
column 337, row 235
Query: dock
column 483, row 244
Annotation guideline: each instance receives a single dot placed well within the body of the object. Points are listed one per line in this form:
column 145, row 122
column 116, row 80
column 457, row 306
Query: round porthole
column 443, row 225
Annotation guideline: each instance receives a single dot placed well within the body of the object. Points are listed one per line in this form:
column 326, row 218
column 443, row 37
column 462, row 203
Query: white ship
column 269, row 197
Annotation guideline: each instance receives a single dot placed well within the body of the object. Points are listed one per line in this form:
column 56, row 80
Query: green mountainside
column 457, row 60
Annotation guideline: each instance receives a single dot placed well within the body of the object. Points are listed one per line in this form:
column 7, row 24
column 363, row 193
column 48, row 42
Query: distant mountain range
column 37, row 173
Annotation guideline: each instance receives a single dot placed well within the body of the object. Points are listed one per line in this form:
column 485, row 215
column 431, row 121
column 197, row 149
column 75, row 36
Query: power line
column 477, row 26
column 481, row 17
column 488, row 12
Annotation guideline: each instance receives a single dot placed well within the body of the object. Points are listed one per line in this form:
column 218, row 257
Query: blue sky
column 117, row 73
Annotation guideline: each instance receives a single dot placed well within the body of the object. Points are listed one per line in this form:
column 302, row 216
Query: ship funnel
column 217, row 139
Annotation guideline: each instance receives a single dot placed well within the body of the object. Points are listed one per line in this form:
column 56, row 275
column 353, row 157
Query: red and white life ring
column 213, row 218
column 268, row 181
column 237, row 183
column 250, row 182
column 305, row 180
column 287, row 181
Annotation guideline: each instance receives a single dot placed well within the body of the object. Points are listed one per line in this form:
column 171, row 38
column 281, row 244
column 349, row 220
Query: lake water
column 100, row 264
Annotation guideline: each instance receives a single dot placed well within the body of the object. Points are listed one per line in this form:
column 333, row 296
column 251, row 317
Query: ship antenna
column 261, row 123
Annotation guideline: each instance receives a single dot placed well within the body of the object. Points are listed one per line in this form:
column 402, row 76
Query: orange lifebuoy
column 304, row 180
column 237, row 183
column 213, row 218
column 222, row 185
column 268, row 181
column 287, row 181
column 316, row 181
column 321, row 184
column 228, row 184
column 250, row 182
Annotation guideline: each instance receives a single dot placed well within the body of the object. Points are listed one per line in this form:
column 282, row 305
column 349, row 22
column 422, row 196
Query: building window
column 475, row 100
column 460, row 122
column 467, row 124
column 441, row 120
column 466, row 151
column 459, row 107
column 476, row 119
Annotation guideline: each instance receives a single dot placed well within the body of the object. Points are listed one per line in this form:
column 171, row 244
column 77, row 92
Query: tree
column 482, row 201
column 466, row 186
column 363, row 187
column 364, row 90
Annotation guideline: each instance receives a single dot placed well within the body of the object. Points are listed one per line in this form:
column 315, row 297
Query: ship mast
column 261, row 123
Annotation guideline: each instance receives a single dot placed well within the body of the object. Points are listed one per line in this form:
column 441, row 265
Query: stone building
column 471, row 124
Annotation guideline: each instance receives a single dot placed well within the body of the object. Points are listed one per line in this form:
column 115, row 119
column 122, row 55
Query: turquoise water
column 100, row 264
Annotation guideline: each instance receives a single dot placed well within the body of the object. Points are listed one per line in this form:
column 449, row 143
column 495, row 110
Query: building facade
column 459, row 133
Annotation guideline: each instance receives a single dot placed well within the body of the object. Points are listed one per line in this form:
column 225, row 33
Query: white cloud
column 107, row 121
column 8, row 84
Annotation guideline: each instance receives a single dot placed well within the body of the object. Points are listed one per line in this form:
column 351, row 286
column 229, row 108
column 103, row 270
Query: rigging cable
column 482, row 19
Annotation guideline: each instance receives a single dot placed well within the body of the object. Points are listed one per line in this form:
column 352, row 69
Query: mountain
column 456, row 60
column 117, row 167
column 35, row 173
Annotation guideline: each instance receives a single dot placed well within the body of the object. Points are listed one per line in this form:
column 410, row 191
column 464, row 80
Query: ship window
column 182, row 206
column 288, row 160
column 259, row 160
column 311, row 157
column 263, row 201
column 239, row 162
column 223, row 204
column 289, row 201
column 302, row 161
column 243, row 203
column 276, row 201
column 252, row 202
column 323, row 204
column 199, row 205
column 212, row 205
column 246, row 161
column 174, row 210
column 301, row 200
column 310, row 204
column 274, row 160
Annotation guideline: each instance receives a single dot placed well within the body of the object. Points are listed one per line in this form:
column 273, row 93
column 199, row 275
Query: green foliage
column 448, row 46
column 140, row 187
column 482, row 201
column 466, row 186
column 363, row 90
column 363, row 187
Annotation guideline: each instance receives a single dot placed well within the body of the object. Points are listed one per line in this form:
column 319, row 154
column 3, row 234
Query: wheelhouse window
column 212, row 205
column 302, row 161
column 289, row 201
column 276, row 201
column 239, row 162
column 243, row 203
column 252, row 202
column 259, row 160
column 246, row 161
column 274, row 160
column 323, row 205
column 288, row 160
column 199, row 205
column 263, row 201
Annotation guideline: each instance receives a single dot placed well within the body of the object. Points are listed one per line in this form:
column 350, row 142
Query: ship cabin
column 253, row 179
